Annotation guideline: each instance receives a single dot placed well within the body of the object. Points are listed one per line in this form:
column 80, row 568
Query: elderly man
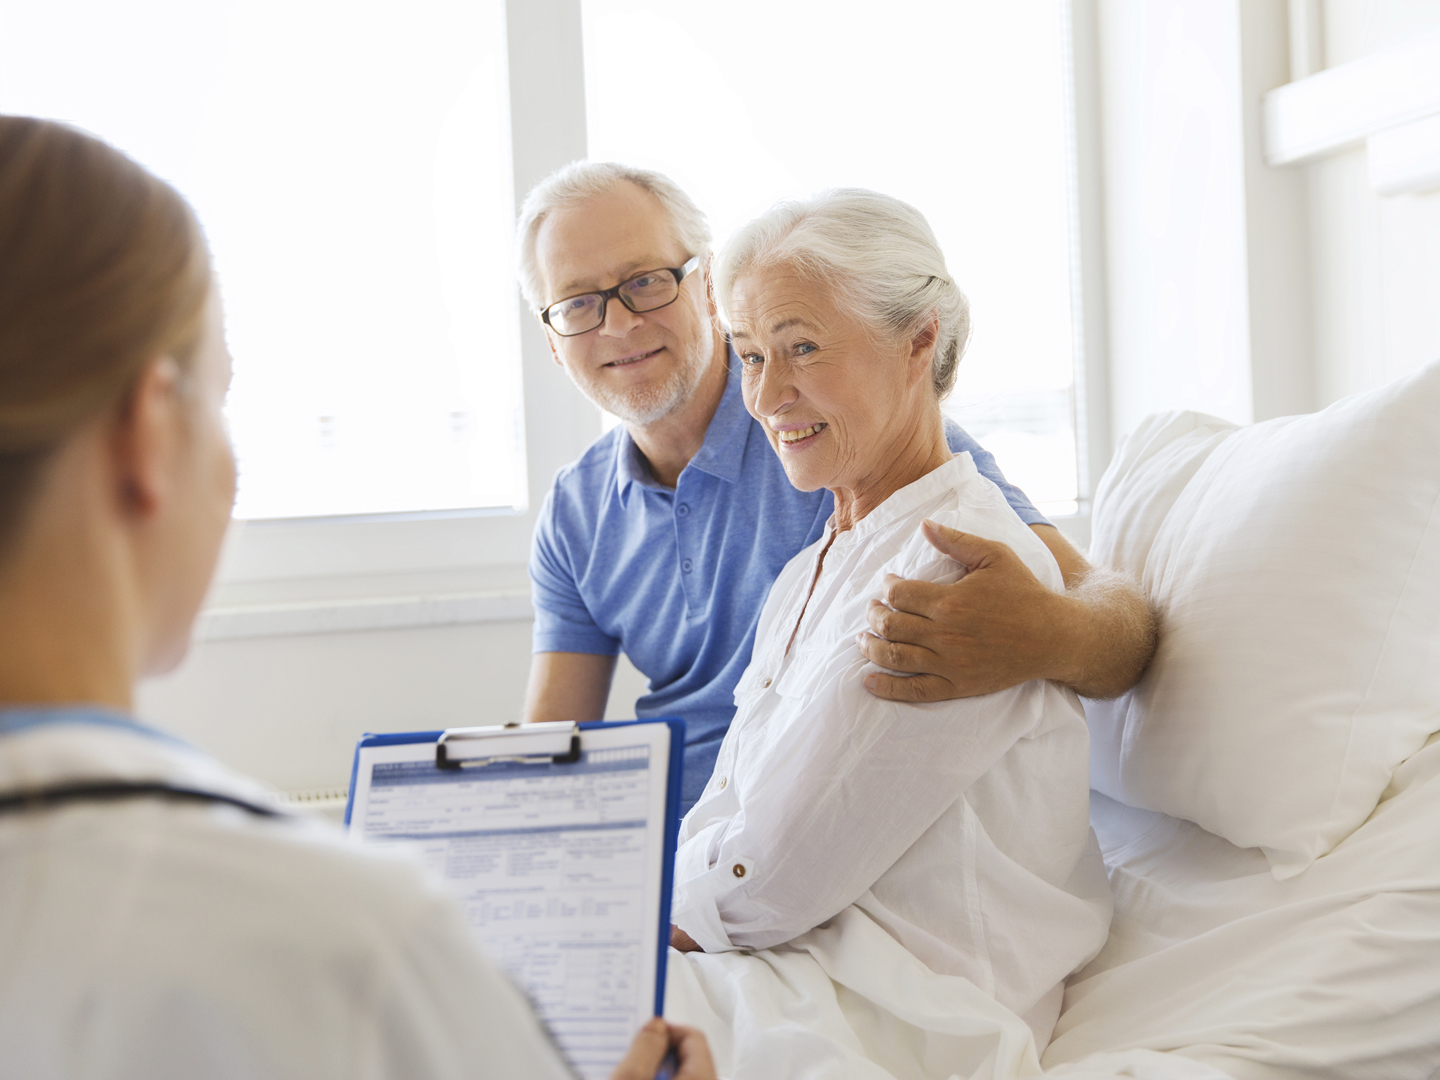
column 664, row 537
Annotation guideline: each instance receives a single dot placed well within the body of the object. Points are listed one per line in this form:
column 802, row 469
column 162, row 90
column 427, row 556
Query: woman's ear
column 710, row 289
column 922, row 347
column 145, row 443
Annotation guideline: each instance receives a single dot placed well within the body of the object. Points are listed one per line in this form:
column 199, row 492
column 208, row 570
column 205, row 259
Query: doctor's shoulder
column 345, row 961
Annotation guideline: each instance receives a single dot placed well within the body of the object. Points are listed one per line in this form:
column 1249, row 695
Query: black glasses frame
column 613, row 293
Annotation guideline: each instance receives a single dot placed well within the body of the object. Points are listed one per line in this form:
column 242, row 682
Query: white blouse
column 960, row 827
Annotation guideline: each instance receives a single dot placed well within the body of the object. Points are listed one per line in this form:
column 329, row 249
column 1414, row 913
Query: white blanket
column 847, row 1001
column 1334, row 973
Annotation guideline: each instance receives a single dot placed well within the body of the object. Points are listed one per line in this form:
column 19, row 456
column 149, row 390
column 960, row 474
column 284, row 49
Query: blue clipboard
column 479, row 797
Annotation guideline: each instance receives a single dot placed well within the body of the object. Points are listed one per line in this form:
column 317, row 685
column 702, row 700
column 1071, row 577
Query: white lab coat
column 152, row 939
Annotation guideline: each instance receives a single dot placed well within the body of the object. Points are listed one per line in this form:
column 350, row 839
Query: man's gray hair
column 879, row 255
column 581, row 180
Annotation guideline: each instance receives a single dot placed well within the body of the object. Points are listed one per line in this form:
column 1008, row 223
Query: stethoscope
column 49, row 798
column 82, row 791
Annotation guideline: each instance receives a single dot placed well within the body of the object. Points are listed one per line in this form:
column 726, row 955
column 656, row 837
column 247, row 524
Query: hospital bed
column 1268, row 798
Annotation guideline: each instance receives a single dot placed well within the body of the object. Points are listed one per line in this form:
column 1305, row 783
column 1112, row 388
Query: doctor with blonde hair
column 161, row 916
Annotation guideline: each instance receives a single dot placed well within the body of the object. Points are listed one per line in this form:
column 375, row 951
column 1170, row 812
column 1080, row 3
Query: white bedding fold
column 1333, row 973
column 799, row 1011
column 846, row 1001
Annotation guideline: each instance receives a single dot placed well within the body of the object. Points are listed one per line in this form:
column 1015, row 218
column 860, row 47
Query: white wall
column 1237, row 288
column 1174, row 208
column 1206, row 247
column 1376, row 271
column 290, row 709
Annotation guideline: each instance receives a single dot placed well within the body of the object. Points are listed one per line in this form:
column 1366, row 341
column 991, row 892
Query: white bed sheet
column 1334, row 973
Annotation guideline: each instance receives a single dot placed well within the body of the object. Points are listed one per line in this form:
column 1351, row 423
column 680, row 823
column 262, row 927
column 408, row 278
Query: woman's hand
column 682, row 941
column 654, row 1041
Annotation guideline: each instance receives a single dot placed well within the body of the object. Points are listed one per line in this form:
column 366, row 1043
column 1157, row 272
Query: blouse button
column 722, row 783
column 765, row 685
column 738, row 870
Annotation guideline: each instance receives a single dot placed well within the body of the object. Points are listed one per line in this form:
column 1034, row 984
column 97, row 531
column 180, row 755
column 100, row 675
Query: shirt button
column 738, row 870
column 682, row 510
column 685, row 566
column 765, row 685
column 722, row 783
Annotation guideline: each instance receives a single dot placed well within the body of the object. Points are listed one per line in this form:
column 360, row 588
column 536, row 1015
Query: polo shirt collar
column 723, row 451
column 720, row 455
column 631, row 468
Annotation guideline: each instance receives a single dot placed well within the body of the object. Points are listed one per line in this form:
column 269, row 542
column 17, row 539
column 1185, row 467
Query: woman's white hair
column 877, row 253
column 582, row 180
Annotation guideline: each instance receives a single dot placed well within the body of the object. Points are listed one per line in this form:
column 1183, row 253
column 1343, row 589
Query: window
column 351, row 164
column 958, row 108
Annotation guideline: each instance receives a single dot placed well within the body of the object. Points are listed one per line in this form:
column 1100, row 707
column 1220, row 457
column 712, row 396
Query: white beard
column 640, row 408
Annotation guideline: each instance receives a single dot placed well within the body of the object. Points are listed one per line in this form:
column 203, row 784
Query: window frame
column 1089, row 302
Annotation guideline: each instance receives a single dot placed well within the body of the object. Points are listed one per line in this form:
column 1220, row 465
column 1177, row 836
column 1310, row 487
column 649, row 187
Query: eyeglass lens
column 644, row 292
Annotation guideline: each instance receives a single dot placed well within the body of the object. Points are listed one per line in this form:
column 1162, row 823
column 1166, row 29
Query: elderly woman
column 919, row 879
column 159, row 915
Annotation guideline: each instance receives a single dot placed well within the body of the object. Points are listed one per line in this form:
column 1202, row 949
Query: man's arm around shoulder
column 999, row 626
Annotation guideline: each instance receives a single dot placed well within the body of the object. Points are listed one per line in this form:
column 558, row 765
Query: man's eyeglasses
column 646, row 291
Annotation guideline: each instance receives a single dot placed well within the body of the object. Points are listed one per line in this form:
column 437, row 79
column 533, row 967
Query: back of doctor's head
column 103, row 269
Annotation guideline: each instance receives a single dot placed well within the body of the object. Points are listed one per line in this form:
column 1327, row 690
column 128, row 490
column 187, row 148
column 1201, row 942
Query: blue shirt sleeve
column 961, row 443
column 562, row 621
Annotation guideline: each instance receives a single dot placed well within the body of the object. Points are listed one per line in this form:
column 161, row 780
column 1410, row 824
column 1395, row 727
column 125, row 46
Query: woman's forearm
column 860, row 781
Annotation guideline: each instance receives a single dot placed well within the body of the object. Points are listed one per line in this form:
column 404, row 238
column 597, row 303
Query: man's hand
column 999, row 626
column 682, row 941
column 656, row 1039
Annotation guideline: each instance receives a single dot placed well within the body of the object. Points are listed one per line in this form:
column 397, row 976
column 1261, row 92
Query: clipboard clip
column 513, row 744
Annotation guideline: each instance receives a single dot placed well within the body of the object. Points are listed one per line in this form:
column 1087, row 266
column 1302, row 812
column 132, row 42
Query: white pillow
column 1296, row 567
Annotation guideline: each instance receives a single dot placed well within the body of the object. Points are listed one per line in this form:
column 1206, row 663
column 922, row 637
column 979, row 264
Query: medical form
column 560, row 859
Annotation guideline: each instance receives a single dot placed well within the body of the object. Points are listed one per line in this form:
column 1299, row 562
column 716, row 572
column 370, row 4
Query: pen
column 668, row 1067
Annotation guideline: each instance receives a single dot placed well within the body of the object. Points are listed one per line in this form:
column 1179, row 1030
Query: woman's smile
column 796, row 438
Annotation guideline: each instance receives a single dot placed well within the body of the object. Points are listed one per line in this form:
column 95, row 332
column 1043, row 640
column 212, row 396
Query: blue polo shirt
column 676, row 577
